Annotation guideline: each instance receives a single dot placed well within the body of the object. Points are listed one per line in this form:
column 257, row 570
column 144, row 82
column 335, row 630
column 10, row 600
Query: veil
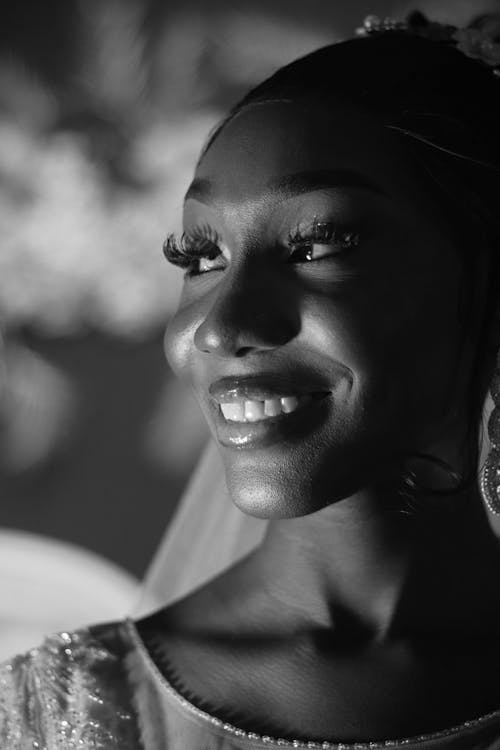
column 207, row 535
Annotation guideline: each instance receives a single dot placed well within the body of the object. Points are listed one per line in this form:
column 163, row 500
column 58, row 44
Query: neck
column 354, row 563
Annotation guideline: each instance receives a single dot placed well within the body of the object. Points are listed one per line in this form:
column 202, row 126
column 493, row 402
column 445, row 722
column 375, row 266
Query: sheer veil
column 207, row 534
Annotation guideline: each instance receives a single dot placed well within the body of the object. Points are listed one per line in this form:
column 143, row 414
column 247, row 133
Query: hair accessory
column 475, row 41
column 490, row 473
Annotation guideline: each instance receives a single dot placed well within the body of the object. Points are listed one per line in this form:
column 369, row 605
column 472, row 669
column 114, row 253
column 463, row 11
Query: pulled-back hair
column 445, row 107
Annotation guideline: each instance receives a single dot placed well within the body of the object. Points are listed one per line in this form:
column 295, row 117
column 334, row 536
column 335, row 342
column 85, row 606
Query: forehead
column 265, row 141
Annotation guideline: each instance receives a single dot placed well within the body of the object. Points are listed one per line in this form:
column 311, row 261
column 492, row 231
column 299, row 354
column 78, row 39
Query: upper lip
column 263, row 387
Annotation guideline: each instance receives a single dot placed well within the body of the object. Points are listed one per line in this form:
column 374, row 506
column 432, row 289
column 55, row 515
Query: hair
column 444, row 106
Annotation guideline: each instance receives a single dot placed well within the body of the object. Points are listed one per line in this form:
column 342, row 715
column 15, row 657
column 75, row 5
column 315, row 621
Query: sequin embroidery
column 69, row 693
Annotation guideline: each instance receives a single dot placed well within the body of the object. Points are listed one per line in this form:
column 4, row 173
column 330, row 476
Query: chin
column 285, row 492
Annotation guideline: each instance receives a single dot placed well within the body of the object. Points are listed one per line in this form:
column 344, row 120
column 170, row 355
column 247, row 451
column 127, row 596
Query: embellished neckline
column 241, row 734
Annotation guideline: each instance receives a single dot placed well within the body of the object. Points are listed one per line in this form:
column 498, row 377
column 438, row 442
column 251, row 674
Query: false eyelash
column 323, row 231
column 203, row 242
column 175, row 252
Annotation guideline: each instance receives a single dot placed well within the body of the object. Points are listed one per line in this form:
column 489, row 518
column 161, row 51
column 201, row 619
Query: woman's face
column 320, row 328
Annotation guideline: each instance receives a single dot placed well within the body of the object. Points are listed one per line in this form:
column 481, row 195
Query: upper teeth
column 254, row 411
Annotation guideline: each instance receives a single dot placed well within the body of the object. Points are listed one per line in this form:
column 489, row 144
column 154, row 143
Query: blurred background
column 104, row 105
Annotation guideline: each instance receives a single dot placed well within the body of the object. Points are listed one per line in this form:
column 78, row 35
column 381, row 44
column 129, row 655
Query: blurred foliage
column 81, row 251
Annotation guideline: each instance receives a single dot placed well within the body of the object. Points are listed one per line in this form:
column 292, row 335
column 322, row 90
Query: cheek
column 399, row 334
column 178, row 341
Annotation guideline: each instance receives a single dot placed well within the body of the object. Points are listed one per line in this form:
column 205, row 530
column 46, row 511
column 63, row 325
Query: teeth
column 272, row 407
column 233, row 412
column 256, row 411
column 289, row 403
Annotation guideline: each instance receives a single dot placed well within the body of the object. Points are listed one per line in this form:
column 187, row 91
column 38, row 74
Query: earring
column 490, row 473
column 426, row 473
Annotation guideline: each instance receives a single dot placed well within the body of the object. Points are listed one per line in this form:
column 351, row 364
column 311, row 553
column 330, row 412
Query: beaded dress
column 99, row 688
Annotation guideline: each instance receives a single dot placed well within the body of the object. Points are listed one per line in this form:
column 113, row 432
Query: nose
column 247, row 317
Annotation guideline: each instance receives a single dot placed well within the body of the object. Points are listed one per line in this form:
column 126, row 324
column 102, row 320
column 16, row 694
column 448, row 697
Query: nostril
column 230, row 331
column 242, row 351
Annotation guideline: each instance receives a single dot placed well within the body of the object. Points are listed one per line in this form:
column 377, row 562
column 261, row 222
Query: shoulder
column 69, row 692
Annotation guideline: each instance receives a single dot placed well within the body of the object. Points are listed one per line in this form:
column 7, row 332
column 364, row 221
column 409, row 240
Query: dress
column 99, row 688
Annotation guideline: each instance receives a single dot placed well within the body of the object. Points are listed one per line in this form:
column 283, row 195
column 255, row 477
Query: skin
column 378, row 613
column 381, row 325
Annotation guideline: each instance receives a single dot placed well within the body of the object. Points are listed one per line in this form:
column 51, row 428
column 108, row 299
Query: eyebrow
column 291, row 185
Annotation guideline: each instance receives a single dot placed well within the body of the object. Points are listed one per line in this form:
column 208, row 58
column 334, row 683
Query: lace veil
column 207, row 534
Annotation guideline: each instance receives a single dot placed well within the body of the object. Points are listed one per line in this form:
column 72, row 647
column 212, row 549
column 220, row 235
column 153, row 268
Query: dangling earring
column 441, row 478
column 490, row 473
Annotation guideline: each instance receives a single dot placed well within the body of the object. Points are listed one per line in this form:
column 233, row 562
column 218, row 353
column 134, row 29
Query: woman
column 339, row 325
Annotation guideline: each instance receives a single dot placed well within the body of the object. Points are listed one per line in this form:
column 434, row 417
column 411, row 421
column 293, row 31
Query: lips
column 263, row 398
column 264, row 387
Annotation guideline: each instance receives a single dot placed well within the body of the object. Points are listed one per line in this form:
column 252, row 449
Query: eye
column 323, row 240
column 206, row 264
column 198, row 253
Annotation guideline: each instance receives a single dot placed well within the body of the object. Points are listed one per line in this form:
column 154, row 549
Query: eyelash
column 322, row 233
column 188, row 250
column 204, row 243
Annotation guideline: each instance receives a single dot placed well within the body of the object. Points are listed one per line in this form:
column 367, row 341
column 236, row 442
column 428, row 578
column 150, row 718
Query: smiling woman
column 298, row 290
column 339, row 325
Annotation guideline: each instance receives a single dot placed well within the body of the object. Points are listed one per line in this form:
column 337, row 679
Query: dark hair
column 445, row 106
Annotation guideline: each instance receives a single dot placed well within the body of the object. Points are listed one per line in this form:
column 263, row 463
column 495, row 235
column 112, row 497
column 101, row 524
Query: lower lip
column 284, row 427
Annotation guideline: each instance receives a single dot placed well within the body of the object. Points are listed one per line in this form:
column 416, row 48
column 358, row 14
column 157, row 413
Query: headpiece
column 476, row 41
